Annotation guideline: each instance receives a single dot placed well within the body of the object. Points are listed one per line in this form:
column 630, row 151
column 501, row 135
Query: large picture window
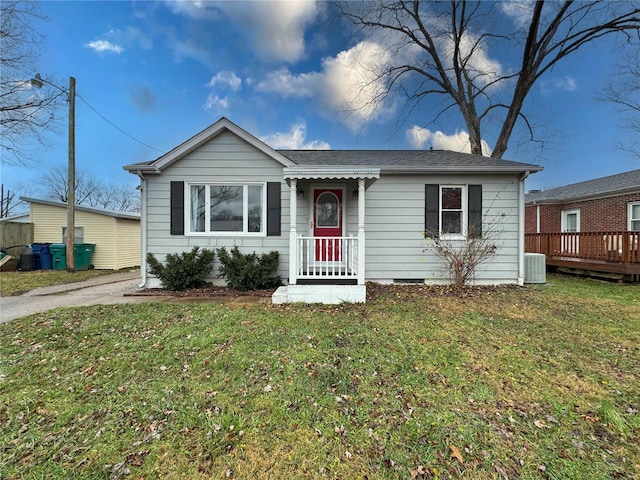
column 227, row 208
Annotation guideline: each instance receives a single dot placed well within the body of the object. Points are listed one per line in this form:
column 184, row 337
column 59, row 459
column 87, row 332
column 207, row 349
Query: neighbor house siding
column 127, row 244
column 596, row 215
column 225, row 158
column 395, row 223
column 112, row 252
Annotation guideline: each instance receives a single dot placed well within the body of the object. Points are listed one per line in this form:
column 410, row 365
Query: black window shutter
column 177, row 208
column 475, row 211
column 432, row 210
column 273, row 209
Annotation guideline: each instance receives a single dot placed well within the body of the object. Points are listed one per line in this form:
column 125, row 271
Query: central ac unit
column 535, row 268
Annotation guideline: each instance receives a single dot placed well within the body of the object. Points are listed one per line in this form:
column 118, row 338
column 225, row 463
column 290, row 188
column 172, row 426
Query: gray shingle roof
column 390, row 160
column 613, row 184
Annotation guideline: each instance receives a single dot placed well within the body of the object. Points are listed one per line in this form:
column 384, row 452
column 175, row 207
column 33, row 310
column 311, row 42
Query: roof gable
column 621, row 183
column 156, row 166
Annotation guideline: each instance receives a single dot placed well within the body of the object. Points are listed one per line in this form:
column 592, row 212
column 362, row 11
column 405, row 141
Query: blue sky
column 163, row 71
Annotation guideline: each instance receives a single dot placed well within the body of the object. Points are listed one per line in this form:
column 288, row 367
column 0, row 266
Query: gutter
column 521, row 229
column 143, row 229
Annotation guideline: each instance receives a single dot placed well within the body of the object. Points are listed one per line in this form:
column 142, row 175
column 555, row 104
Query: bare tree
column 122, row 198
column 25, row 114
column 6, row 202
column 90, row 191
column 624, row 93
column 440, row 49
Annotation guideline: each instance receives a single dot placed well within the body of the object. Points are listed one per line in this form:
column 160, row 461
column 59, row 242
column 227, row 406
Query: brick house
column 601, row 205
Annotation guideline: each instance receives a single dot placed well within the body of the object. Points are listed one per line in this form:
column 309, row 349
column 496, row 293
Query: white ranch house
column 338, row 218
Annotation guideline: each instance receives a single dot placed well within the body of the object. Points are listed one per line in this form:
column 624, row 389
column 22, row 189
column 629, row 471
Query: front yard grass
column 17, row 283
column 541, row 382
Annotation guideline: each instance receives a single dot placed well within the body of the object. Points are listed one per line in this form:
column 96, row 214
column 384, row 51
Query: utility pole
column 71, row 179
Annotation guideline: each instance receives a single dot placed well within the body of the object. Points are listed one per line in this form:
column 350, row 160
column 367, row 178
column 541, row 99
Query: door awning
column 370, row 175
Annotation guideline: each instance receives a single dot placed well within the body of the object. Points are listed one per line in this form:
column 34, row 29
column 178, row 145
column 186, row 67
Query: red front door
column 327, row 222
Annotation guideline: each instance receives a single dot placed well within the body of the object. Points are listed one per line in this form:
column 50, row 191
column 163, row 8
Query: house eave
column 457, row 169
column 583, row 198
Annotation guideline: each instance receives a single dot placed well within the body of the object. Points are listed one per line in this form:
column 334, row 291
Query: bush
column 249, row 271
column 183, row 271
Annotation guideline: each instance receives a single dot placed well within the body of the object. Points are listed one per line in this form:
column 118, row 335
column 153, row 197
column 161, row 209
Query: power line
column 115, row 126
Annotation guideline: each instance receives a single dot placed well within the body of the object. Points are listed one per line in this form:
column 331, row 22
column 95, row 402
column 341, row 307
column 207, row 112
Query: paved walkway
column 105, row 289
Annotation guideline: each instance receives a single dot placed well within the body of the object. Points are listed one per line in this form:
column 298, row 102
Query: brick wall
column 595, row 215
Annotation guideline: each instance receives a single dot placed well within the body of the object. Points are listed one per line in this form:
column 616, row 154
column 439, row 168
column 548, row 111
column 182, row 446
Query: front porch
column 326, row 252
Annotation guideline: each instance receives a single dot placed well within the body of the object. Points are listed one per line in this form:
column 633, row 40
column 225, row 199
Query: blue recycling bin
column 44, row 260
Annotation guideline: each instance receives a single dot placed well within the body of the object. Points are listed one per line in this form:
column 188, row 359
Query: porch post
column 293, row 234
column 361, row 206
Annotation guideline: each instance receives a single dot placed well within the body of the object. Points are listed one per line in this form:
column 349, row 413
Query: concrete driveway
column 105, row 289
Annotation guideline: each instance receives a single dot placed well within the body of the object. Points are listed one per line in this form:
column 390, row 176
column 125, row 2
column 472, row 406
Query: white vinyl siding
column 225, row 159
column 394, row 218
column 396, row 247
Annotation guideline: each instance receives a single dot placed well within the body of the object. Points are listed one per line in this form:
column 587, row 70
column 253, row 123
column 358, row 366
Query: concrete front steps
column 327, row 294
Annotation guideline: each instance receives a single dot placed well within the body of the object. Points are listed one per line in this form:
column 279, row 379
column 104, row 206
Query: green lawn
column 17, row 283
column 541, row 382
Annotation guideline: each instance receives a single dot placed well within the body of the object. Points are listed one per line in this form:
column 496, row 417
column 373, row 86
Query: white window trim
column 563, row 220
column 245, row 209
column 630, row 206
column 465, row 214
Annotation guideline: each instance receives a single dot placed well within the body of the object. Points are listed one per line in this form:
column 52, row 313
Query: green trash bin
column 58, row 256
column 83, row 252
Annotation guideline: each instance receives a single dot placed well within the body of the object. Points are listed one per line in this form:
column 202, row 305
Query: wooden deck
column 613, row 254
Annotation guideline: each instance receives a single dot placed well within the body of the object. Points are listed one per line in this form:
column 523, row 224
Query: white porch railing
column 327, row 257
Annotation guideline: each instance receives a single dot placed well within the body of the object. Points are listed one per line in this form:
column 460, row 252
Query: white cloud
column 519, row 12
column 352, row 82
column 131, row 36
column 564, row 84
column 294, row 139
column 480, row 66
column 419, row 137
column 226, row 77
column 284, row 83
column 349, row 84
column 102, row 46
column 276, row 28
column 193, row 8
column 214, row 102
column 568, row 84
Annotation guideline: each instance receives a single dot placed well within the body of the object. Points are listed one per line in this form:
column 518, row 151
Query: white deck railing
column 327, row 257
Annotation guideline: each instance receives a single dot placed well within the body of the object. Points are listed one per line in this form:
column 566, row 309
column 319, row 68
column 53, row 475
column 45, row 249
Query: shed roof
column 619, row 184
column 82, row 208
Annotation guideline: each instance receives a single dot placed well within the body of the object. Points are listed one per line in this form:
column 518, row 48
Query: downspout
column 521, row 229
column 143, row 230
